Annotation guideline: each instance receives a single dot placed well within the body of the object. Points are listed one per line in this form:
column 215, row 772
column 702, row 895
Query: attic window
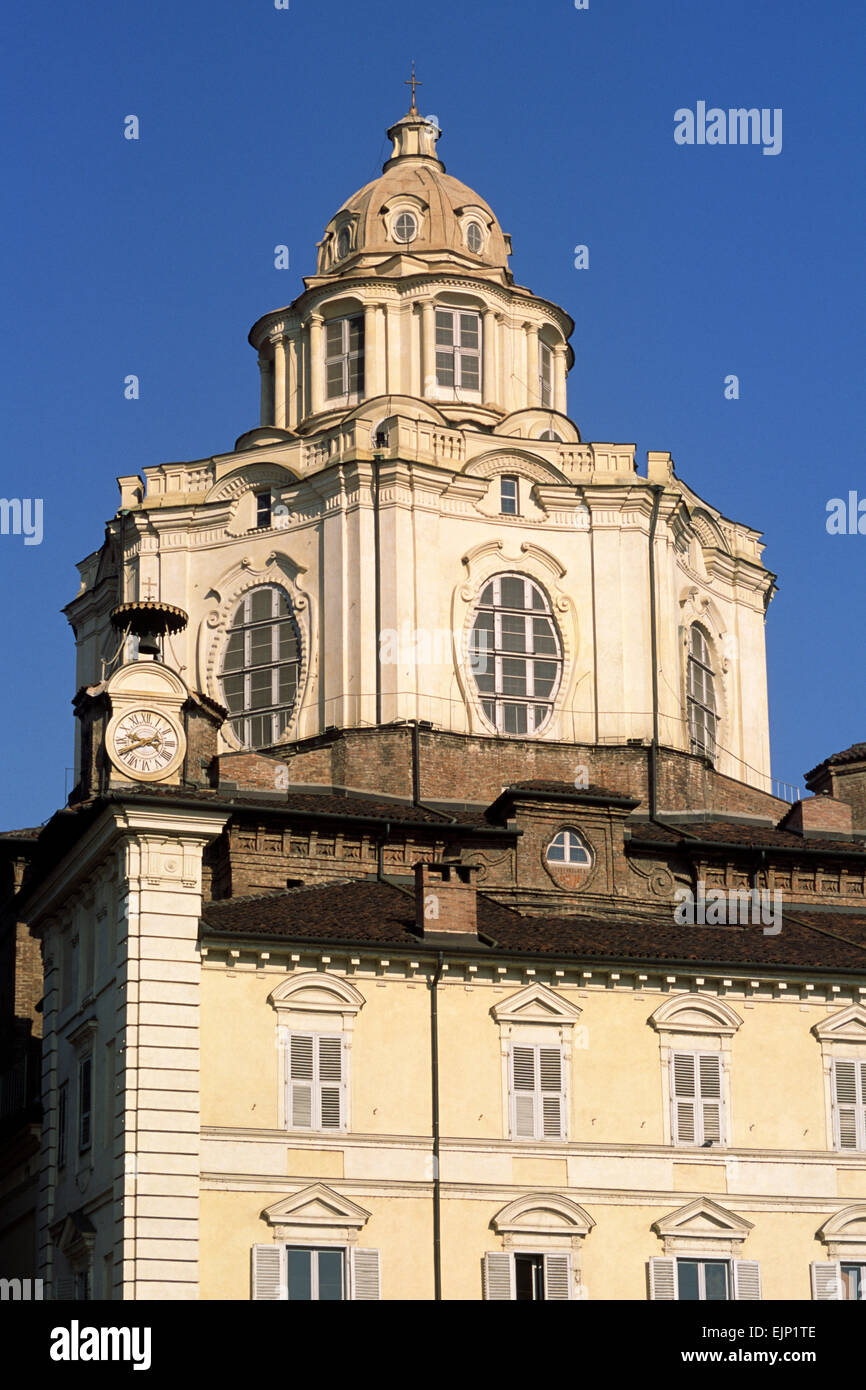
column 344, row 243
column 405, row 227
column 569, row 847
column 551, row 435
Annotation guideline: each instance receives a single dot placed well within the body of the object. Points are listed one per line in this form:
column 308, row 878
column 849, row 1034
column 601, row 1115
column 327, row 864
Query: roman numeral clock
column 145, row 738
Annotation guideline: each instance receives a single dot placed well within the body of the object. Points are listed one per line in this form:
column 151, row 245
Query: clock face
column 145, row 743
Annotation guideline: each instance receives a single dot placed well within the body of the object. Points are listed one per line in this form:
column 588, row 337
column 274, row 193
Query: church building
column 424, row 922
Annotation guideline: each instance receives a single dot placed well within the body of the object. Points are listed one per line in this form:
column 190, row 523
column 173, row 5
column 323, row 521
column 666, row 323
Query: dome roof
column 414, row 212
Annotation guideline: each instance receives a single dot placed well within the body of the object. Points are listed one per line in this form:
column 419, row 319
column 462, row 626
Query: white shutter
column 662, row 1277
column 849, row 1093
column 552, row 1093
column 557, row 1276
column 710, row 1081
column 747, row 1279
column 523, row 1092
column 498, row 1275
column 268, row 1272
column 683, row 1098
column 826, row 1279
column 366, row 1276
column 330, row 1081
column 301, row 1080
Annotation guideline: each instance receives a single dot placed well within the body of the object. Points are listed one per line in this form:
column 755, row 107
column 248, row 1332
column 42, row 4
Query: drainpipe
column 654, row 746
column 434, row 1077
column 377, row 463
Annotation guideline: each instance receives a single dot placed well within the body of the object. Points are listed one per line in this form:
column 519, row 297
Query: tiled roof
column 741, row 834
column 855, row 754
column 539, row 787
column 374, row 913
column 31, row 833
column 310, row 803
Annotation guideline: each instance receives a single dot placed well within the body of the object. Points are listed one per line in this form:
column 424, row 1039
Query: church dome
column 415, row 215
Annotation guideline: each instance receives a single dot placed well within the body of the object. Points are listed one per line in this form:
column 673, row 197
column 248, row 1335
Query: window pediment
column 701, row 1223
column 844, row 1233
column 543, row 1214
column 536, row 1004
column 845, row 1026
column 696, row 1013
column 316, row 1206
column 314, row 993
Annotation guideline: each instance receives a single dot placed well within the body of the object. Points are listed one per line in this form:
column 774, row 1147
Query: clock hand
column 141, row 743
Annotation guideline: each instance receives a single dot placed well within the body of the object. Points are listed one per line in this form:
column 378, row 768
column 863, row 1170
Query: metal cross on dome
column 413, row 83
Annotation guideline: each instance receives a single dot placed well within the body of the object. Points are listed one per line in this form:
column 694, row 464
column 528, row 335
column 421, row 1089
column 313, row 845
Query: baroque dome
column 414, row 216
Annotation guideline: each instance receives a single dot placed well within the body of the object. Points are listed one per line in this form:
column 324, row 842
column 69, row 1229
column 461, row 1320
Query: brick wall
column 467, row 768
column 845, row 782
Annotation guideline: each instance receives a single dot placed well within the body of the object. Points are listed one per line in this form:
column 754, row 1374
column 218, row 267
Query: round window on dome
column 344, row 243
column 405, row 227
column 474, row 238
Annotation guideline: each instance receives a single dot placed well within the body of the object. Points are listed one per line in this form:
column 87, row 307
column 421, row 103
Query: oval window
column 515, row 654
column 260, row 667
column 344, row 243
column 569, row 847
column 405, row 227
column 474, row 238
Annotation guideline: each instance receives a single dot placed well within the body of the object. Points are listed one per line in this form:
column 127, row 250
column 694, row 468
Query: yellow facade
column 776, row 1170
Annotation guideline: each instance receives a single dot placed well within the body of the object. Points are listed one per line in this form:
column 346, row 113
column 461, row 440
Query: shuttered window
column 525, row 1277
column 696, row 1099
column 537, row 1093
column 307, row 1274
column 315, row 1084
column 849, row 1095
column 704, row 1280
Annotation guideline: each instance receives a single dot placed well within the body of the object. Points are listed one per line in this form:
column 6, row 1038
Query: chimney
column 445, row 899
column 843, row 776
column 819, row 817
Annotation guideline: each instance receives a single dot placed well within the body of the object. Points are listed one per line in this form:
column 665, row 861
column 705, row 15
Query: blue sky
column 154, row 257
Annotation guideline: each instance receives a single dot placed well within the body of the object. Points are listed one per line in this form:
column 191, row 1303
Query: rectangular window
column 458, row 349
column 523, row 1277
column 315, row 1276
column 263, row 509
column 849, row 1095
column 85, row 1102
column 309, row 1274
column 62, row 1111
column 696, row 1099
column 854, row 1281
column 703, row 1279
column 545, row 375
column 537, row 1093
column 109, row 1095
column 344, row 357
column 82, row 1286
column 315, row 1081
column 508, row 496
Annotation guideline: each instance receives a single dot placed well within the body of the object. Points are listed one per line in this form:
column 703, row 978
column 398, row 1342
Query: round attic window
column 344, row 243
column 474, row 238
column 405, row 227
